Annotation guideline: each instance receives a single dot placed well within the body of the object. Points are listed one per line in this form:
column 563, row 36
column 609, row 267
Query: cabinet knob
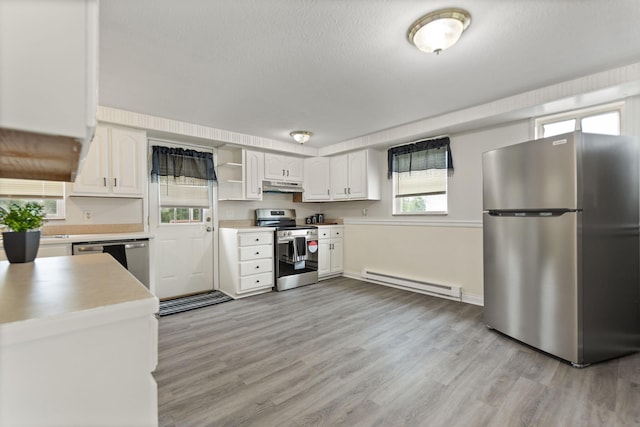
column 257, row 266
column 257, row 253
column 257, row 281
column 257, row 239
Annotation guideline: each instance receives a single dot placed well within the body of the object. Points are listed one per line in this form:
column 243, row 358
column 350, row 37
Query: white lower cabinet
column 246, row 261
column 331, row 251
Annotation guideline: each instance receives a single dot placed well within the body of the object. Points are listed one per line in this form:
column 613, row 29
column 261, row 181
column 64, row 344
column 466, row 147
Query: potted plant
column 24, row 220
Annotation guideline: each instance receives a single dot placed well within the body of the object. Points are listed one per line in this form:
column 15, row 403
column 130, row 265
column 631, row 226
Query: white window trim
column 579, row 115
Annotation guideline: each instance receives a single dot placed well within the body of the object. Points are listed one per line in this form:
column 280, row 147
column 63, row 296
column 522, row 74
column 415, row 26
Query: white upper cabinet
column 48, row 70
column 115, row 165
column 253, row 164
column 283, row 168
column 355, row 176
column 240, row 174
column 317, row 179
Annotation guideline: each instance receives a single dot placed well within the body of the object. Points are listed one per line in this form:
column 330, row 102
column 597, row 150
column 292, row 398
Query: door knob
column 209, row 229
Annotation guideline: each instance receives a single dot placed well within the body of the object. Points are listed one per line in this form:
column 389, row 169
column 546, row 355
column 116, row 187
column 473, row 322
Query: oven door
column 296, row 262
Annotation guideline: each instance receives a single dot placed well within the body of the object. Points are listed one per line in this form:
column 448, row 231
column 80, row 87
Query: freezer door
column 540, row 174
column 531, row 281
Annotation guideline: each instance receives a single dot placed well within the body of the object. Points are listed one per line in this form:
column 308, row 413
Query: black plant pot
column 21, row 246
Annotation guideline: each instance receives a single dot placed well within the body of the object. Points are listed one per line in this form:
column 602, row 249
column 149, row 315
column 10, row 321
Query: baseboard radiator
column 444, row 291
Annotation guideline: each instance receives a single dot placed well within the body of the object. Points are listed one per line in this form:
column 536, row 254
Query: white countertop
column 73, row 238
column 251, row 229
column 44, row 294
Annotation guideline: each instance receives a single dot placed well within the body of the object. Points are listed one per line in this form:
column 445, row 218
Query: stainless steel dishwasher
column 131, row 253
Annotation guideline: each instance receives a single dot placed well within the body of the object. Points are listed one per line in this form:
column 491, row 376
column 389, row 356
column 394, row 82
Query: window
column 605, row 119
column 184, row 178
column 48, row 193
column 419, row 173
column 182, row 199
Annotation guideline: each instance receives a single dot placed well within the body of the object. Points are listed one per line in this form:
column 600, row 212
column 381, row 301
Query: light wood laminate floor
column 349, row 353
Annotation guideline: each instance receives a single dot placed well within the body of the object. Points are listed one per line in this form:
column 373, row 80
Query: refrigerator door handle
column 532, row 213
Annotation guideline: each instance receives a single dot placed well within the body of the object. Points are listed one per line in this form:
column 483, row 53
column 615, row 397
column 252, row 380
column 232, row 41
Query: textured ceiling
column 344, row 69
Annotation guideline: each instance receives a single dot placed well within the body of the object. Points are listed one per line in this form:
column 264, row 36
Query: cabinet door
column 93, row 178
column 324, row 257
column 294, row 168
column 357, row 188
column 337, row 253
column 49, row 66
column 128, row 167
column 274, row 167
column 339, row 177
column 253, row 164
column 317, row 179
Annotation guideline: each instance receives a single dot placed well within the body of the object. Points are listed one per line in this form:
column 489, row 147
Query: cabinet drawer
column 324, row 233
column 250, row 239
column 256, row 281
column 249, row 253
column 337, row 231
column 257, row 266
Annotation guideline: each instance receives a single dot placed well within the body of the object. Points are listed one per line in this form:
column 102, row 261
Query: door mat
column 178, row 305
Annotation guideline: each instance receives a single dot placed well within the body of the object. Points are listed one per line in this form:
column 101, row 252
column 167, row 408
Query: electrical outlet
column 364, row 212
column 87, row 216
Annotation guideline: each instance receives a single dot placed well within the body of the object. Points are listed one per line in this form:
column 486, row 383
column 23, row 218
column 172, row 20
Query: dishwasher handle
column 100, row 248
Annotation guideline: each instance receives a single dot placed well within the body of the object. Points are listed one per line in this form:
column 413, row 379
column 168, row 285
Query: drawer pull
column 257, row 266
column 257, row 239
column 257, row 281
column 257, row 253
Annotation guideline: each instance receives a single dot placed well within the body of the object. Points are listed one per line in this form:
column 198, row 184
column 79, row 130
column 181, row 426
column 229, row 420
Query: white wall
column 445, row 249
column 245, row 210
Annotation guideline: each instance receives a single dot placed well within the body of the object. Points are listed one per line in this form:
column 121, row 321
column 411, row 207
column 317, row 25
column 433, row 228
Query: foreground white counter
column 78, row 343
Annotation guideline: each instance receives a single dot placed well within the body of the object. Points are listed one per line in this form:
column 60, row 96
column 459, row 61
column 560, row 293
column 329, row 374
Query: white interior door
column 183, row 259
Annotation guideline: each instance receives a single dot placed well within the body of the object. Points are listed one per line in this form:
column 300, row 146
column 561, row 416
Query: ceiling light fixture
column 439, row 30
column 301, row 136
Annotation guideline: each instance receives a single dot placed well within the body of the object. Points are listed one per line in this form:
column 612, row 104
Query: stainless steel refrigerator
column 561, row 248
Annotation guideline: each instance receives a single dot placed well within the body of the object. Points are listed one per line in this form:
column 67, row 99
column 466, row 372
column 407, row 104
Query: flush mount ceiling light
column 439, row 30
column 301, row 136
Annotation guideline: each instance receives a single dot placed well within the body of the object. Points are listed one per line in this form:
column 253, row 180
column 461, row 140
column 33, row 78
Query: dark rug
column 178, row 305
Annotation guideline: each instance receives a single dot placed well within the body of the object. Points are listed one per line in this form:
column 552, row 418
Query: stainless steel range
column 296, row 251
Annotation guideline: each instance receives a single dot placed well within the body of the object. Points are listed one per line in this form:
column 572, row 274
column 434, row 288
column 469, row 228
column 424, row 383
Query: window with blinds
column 183, row 199
column 49, row 193
column 420, row 172
column 31, row 189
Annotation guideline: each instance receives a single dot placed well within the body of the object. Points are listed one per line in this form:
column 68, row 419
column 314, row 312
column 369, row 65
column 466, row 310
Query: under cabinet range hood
column 281, row 187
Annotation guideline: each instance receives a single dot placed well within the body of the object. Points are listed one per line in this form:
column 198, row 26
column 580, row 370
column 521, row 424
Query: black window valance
column 420, row 155
column 178, row 162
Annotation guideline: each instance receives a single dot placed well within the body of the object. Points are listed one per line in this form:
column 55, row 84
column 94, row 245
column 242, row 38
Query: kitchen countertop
column 73, row 238
column 250, row 229
column 50, row 288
